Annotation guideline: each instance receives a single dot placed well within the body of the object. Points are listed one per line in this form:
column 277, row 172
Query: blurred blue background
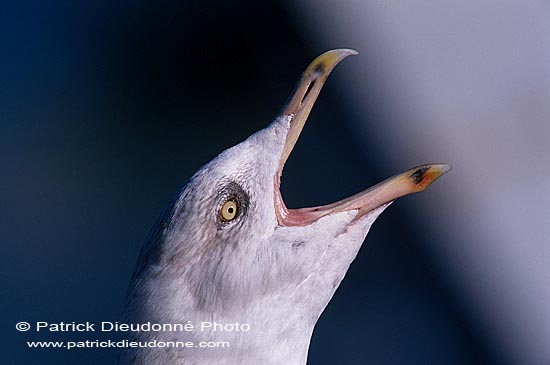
column 107, row 108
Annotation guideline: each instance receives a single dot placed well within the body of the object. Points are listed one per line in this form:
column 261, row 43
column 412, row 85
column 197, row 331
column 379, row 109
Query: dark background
column 106, row 109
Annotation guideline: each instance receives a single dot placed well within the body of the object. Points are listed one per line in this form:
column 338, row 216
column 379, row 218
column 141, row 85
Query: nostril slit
column 310, row 86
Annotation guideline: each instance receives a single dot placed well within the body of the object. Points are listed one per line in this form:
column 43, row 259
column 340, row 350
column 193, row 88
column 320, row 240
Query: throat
column 268, row 331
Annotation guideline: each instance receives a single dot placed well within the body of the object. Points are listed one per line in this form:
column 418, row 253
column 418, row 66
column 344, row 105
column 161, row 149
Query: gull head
column 228, row 250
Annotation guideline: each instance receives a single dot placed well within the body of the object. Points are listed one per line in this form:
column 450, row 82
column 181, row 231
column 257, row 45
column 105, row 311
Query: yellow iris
column 229, row 211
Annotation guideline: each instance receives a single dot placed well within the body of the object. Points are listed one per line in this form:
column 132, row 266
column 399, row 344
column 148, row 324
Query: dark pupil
column 230, row 210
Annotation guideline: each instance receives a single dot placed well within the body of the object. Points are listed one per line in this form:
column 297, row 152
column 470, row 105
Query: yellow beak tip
column 328, row 60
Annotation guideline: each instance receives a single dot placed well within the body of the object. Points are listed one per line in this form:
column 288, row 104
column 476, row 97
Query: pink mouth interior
column 305, row 216
column 294, row 217
column 410, row 181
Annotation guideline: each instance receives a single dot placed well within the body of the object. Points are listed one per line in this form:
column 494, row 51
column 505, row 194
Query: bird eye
column 229, row 210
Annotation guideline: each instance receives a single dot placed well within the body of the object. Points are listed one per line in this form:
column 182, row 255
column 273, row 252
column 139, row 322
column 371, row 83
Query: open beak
column 298, row 108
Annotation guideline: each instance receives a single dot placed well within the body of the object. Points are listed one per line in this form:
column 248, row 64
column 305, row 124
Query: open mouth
column 298, row 108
